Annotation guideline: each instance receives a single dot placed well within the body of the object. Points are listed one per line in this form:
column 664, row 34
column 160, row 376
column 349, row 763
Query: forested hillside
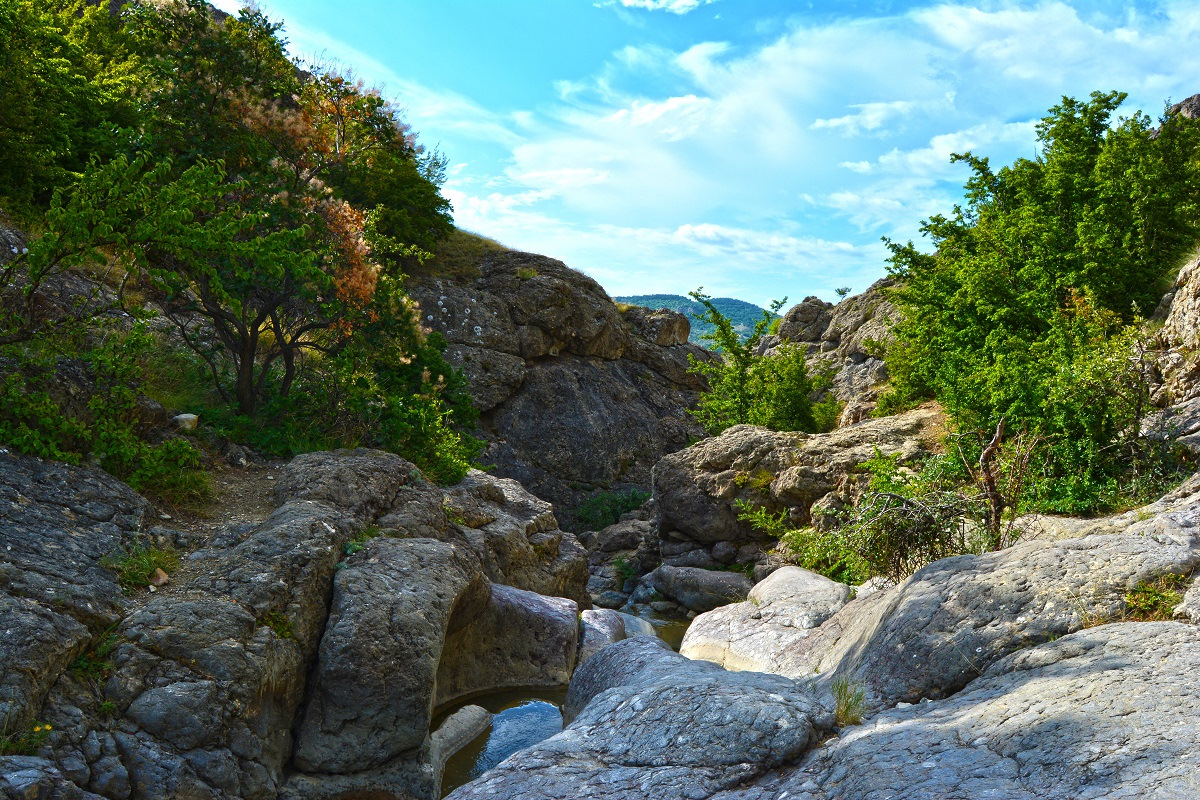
column 741, row 314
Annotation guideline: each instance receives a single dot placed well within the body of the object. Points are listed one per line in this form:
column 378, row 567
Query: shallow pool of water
column 520, row 719
column 523, row 717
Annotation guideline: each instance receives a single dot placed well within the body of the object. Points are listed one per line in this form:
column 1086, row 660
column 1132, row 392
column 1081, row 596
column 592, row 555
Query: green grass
column 849, row 702
column 458, row 256
column 1155, row 600
column 135, row 567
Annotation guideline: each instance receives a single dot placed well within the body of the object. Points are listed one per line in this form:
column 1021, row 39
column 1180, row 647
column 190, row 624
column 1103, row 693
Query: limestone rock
column 516, row 537
column 578, row 395
column 839, row 339
column 649, row 723
column 1084, row 716
column 598, row 629
column 699, row 589
column 752, row 635
column 519, row 639
column 373, row 691
column 696, row 490
column 947, row 623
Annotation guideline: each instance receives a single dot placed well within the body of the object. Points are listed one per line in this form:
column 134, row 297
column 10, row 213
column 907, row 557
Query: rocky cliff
column 577, row 396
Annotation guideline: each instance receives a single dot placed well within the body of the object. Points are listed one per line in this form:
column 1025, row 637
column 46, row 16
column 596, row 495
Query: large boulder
column 578, row 396
column 698, row 490
column 647, row 722
column 301, row 623
column 753, row 634
column 373, row 691
column 699, row 589
column 1106, row 712
column 519, row 639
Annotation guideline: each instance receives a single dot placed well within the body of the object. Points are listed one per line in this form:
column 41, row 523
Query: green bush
column 605, row 508
column 747, row 389
column 33, row 422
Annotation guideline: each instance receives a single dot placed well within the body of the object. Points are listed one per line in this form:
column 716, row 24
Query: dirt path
column 238, row 496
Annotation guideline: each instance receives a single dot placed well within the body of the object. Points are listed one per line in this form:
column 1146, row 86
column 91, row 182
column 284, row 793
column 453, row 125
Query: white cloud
column 868, row 117
column 674, row 6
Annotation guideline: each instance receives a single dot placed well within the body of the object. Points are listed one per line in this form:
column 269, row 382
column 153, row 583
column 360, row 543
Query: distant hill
column 743, row 315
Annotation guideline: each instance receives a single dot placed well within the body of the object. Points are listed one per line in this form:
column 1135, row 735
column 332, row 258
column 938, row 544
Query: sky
column 755, row 148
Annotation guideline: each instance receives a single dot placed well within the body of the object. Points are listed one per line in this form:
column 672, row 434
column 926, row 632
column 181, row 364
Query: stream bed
column 523, row 717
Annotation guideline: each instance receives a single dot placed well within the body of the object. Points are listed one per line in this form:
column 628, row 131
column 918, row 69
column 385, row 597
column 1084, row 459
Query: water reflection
column 520, row 719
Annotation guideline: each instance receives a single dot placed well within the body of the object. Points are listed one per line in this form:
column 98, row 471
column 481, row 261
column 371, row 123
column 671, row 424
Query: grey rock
column 1082, row 717
column 360, row 482
column 700, row 589
column 183, row 714
column 36, row 645
column 373, row 688
column 947, row 623
column 696, row 490
column 59, row 524
column 649, row 723
column 637, row 627
column 29, row 778
column 579, row 396
column 753, row 634
column 519, row 639
column 598, row 629
column 516, row 537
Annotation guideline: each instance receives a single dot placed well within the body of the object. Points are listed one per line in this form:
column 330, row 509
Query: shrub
column 605, row 508
column 33, row 422
column 1028, row 308
column 748, row 389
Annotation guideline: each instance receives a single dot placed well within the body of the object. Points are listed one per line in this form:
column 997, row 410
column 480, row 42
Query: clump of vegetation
column 95, row 664
column 136, row 566
column 26, row 742
column 605, row 508
column 278, row 622
column 625, row 571
column 1155, row 600
column 1030, row 307
column 849, row 702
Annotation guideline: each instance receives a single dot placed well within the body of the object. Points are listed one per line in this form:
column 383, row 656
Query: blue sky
column 756, row 148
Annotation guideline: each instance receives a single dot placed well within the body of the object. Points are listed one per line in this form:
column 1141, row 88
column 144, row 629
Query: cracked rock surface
column 1109, row 712
column 652, row 723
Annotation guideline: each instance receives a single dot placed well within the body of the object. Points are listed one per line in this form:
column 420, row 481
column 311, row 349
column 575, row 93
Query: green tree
column 1090, row 229
column 746, row 388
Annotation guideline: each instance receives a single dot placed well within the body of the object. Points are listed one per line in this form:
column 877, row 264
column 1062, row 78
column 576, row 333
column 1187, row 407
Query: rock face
column 617, row 554
column 839, row 338
column 1107, row 712
column 303, row 622
column 577, row 397
column 650, row 723
column 697, row 490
